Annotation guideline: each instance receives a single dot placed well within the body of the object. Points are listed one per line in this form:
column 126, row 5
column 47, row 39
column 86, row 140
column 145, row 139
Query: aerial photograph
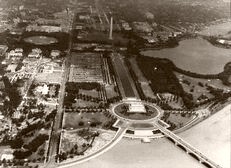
column 115, row 83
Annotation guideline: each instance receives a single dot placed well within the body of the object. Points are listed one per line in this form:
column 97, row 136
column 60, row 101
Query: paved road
column 57, row 126
column 187, row 146
column 120, row 133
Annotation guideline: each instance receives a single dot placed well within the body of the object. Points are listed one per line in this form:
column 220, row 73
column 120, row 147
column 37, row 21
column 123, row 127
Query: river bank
column 212, row 136
column 195, row 55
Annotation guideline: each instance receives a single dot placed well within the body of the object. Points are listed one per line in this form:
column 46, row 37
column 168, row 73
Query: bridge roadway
column 187, row 147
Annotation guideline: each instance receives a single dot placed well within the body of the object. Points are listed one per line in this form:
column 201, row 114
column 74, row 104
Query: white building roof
column 136, row 107
column 143, row 133
column 11, row 67
column 18, row 50
column 7, row 156
column 43, row 89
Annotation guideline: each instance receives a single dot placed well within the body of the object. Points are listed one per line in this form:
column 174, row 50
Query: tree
column 81, row 123
column 41, row 152
column 16, row 143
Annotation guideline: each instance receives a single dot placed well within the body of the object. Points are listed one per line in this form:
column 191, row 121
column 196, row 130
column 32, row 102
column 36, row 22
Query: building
column 52, row 68
column 34, row 55
column 15, row 54
column 142, row 27
column 55, row 53
column 150, row 39
column 43, row 89
column 37, row 50
column 136, row 107
column 7, row 155
column 18, row 50
column 125, row 25
column 224, row 42
column 12, row 68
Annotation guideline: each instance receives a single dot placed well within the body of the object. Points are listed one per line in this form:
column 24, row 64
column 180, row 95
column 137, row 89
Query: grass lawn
column 93, row 93
column 178, row 120
column 82, row 103
column 137, row 70
column 144, row 82
column 193, row 87
column 48, row 77
column 147, row 90
column 37, row 156
column 174, row 104
column 110, row 91
column 72, row 120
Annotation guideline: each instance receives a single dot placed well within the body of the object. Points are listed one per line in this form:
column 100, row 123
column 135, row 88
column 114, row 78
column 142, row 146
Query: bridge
column 189, row 149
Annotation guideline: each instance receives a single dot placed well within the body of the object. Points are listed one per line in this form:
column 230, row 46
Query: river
column 211, row 136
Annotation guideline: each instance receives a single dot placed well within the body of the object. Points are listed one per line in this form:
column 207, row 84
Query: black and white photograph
column 115, row 83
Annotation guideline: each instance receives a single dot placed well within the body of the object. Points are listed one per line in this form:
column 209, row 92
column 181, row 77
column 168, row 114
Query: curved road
column 119, row 134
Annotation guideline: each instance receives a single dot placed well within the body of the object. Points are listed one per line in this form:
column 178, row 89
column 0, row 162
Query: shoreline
column 159, row 153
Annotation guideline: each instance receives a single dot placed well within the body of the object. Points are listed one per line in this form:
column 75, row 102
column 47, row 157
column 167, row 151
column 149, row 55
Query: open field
column 137, row 71
column 40, row 40
column 49, row 77
column 197, row 86
column 124, row 78
column 83, row 103
column 147, row 90
column 93, row 93
column 110, row 91
column 84, row 120
column 143, row 81
column 179, row 120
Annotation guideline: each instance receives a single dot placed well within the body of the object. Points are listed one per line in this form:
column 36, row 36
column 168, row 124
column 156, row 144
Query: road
column 57, row 126
column 187, row 147
column 119, row 135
